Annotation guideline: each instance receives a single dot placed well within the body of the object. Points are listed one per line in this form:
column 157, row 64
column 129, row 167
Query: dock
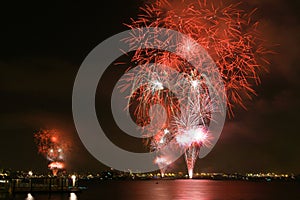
column 40, row 185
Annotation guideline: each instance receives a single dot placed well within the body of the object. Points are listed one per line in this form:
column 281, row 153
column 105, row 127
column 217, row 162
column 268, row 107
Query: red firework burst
column 226, row 32
column 51, row 144
column 230, row 37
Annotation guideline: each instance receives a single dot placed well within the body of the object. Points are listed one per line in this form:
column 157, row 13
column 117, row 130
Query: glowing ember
column 193, row 135
column 56, row 165
column 195, row 83
column 166, row 131
column 156, row 85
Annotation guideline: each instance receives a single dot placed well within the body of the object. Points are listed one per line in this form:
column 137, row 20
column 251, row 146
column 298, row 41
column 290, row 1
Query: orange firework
column 51, row 145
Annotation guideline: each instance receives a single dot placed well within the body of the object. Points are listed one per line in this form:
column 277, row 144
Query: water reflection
column 73, row 196
column 193, row 189
column 29, row 197
column 176, row 190
column 180, row 190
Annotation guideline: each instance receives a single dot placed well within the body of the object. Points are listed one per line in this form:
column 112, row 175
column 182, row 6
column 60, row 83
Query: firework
column 51, row 145
column 230, row 37
column 228, row 34
column 55, row 166
column 162, row 162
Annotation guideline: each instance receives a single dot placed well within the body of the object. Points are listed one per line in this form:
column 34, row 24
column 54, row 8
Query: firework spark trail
column 191, row 133
column 231, row 38
column 186, row 122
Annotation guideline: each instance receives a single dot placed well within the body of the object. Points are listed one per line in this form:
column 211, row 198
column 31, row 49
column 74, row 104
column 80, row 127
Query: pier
column 39, row 184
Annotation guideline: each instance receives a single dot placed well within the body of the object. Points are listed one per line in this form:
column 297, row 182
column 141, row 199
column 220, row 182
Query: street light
column 73, row 177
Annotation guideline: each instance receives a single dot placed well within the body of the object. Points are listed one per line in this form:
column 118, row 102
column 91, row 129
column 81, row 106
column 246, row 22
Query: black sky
column 43, row 45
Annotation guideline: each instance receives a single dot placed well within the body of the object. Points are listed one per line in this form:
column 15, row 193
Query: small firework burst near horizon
column 52, row 146
column 230, row 37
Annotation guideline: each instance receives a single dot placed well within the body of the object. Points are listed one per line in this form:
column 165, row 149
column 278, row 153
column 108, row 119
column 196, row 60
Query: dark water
column 178, row 190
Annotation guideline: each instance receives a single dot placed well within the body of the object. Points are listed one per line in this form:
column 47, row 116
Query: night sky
column 43, row 45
